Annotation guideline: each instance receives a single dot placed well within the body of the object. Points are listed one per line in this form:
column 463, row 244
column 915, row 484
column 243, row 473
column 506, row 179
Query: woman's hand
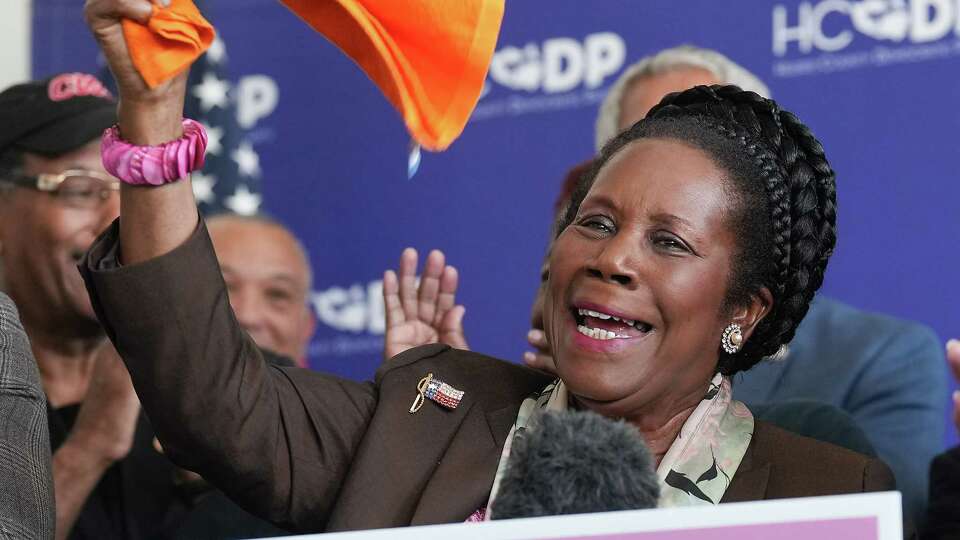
column 542, row 357
column 153, row 221
column 953, row 360
column 103, row 17
column 425, row 314
column 101, row 435
column 147, row 115
column 107, row 418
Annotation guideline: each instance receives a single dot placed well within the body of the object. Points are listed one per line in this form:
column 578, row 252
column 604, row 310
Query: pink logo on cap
column 71, row 85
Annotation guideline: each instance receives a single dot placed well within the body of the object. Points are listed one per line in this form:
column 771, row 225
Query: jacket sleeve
column 878, row 477
column 277, row 440
column 26, row 489
column 898, row 401
column 943, row 518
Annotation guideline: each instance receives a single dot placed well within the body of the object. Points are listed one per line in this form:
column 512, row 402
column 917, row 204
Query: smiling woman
column 650, row 244
column 690, row 251
column 754, row 186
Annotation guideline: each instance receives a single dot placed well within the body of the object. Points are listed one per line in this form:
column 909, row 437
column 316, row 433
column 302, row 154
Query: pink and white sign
column 871, row 516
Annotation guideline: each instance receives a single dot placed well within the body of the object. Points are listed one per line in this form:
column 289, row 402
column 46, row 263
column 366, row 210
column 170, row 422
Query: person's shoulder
column 7, row 307
column 462, row 369
column 851, row 321
column 836, row 330
column 9, row 316
column 18, row 371
column 801, row 466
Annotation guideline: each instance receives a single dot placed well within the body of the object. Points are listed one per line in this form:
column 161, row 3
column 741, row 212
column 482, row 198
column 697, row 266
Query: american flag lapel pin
column 437, row 391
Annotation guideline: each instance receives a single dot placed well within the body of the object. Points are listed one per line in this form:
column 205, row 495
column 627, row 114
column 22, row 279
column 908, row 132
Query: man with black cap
column 55, row 198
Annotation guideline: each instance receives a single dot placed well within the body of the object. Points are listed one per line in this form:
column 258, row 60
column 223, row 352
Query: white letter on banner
column 501, row 62
column 343, row 309
column 880, row 19
column 821, row 40
column 562, row 64
column 605, row 53
column 783, row 34
column 956, row 13
column 924, row 28
column 517, row 69
column 257, row 97
column 376, row 317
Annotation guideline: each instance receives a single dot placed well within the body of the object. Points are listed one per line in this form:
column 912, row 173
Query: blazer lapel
column 399, row 455
column 435, row 465
column 749, row 482
column 462, row 481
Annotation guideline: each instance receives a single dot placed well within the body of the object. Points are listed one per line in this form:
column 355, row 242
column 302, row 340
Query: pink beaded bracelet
column 154, row 165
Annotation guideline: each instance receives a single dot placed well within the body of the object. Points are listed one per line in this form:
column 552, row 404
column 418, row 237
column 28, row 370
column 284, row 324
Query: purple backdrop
column 876, row 79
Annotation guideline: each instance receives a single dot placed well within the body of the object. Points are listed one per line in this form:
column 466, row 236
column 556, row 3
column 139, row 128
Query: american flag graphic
column 230, row 179
column 443, row 393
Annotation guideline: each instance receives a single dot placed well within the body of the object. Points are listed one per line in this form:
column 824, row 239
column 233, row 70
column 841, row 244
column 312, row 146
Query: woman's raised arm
column 278, row 441
column 154, row 220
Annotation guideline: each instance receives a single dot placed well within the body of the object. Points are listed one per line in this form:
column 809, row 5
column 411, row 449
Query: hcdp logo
column 559, row 64
column 920, row 21
column 358, row 308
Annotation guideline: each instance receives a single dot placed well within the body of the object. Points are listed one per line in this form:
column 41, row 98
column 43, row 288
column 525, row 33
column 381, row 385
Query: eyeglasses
column 76, row 188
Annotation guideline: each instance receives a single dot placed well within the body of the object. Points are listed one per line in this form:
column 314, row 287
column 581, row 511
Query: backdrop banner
column 877, row 80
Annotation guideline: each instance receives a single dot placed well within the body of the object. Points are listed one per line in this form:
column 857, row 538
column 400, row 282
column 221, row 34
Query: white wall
column 14, row 41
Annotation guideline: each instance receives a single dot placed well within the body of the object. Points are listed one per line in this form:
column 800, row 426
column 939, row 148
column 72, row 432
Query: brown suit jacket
column 312, row 452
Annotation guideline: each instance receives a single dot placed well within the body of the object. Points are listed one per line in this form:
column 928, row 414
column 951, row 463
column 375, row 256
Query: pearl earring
column 732, row 338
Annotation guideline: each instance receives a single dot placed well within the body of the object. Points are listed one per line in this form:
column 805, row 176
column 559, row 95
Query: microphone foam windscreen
column 576, row 462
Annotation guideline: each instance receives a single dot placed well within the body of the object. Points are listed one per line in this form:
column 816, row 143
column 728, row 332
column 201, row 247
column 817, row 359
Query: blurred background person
column 56, row 197
column 26, row 485
column 111, row 480
column 268, row 277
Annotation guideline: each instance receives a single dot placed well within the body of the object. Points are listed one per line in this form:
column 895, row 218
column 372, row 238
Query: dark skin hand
column 154, row 220
column 425, row 313
column 953, row 360
column 541, row 357
column 102, row 434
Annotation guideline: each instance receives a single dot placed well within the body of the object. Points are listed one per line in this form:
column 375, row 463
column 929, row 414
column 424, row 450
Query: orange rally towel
column 428, row 57
column 172, row 39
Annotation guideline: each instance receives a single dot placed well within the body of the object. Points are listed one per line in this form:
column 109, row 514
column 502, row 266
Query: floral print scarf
column 699, row 465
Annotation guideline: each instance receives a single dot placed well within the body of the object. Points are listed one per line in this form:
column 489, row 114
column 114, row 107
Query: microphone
column 576, row 462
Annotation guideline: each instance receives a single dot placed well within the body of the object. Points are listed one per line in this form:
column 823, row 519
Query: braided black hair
column 784, row 212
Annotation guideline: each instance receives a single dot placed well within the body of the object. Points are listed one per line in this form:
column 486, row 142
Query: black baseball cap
column 55, row 115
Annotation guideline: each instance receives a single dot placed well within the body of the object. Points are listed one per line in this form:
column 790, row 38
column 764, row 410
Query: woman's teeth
column 643, row 327
column 599, row 333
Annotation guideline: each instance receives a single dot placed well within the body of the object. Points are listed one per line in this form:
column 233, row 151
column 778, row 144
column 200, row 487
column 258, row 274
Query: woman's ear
column 750, row 315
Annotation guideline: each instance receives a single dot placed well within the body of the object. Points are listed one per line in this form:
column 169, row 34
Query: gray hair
column 685, row 56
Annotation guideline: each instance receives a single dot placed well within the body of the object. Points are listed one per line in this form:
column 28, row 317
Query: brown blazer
column 313, row 452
